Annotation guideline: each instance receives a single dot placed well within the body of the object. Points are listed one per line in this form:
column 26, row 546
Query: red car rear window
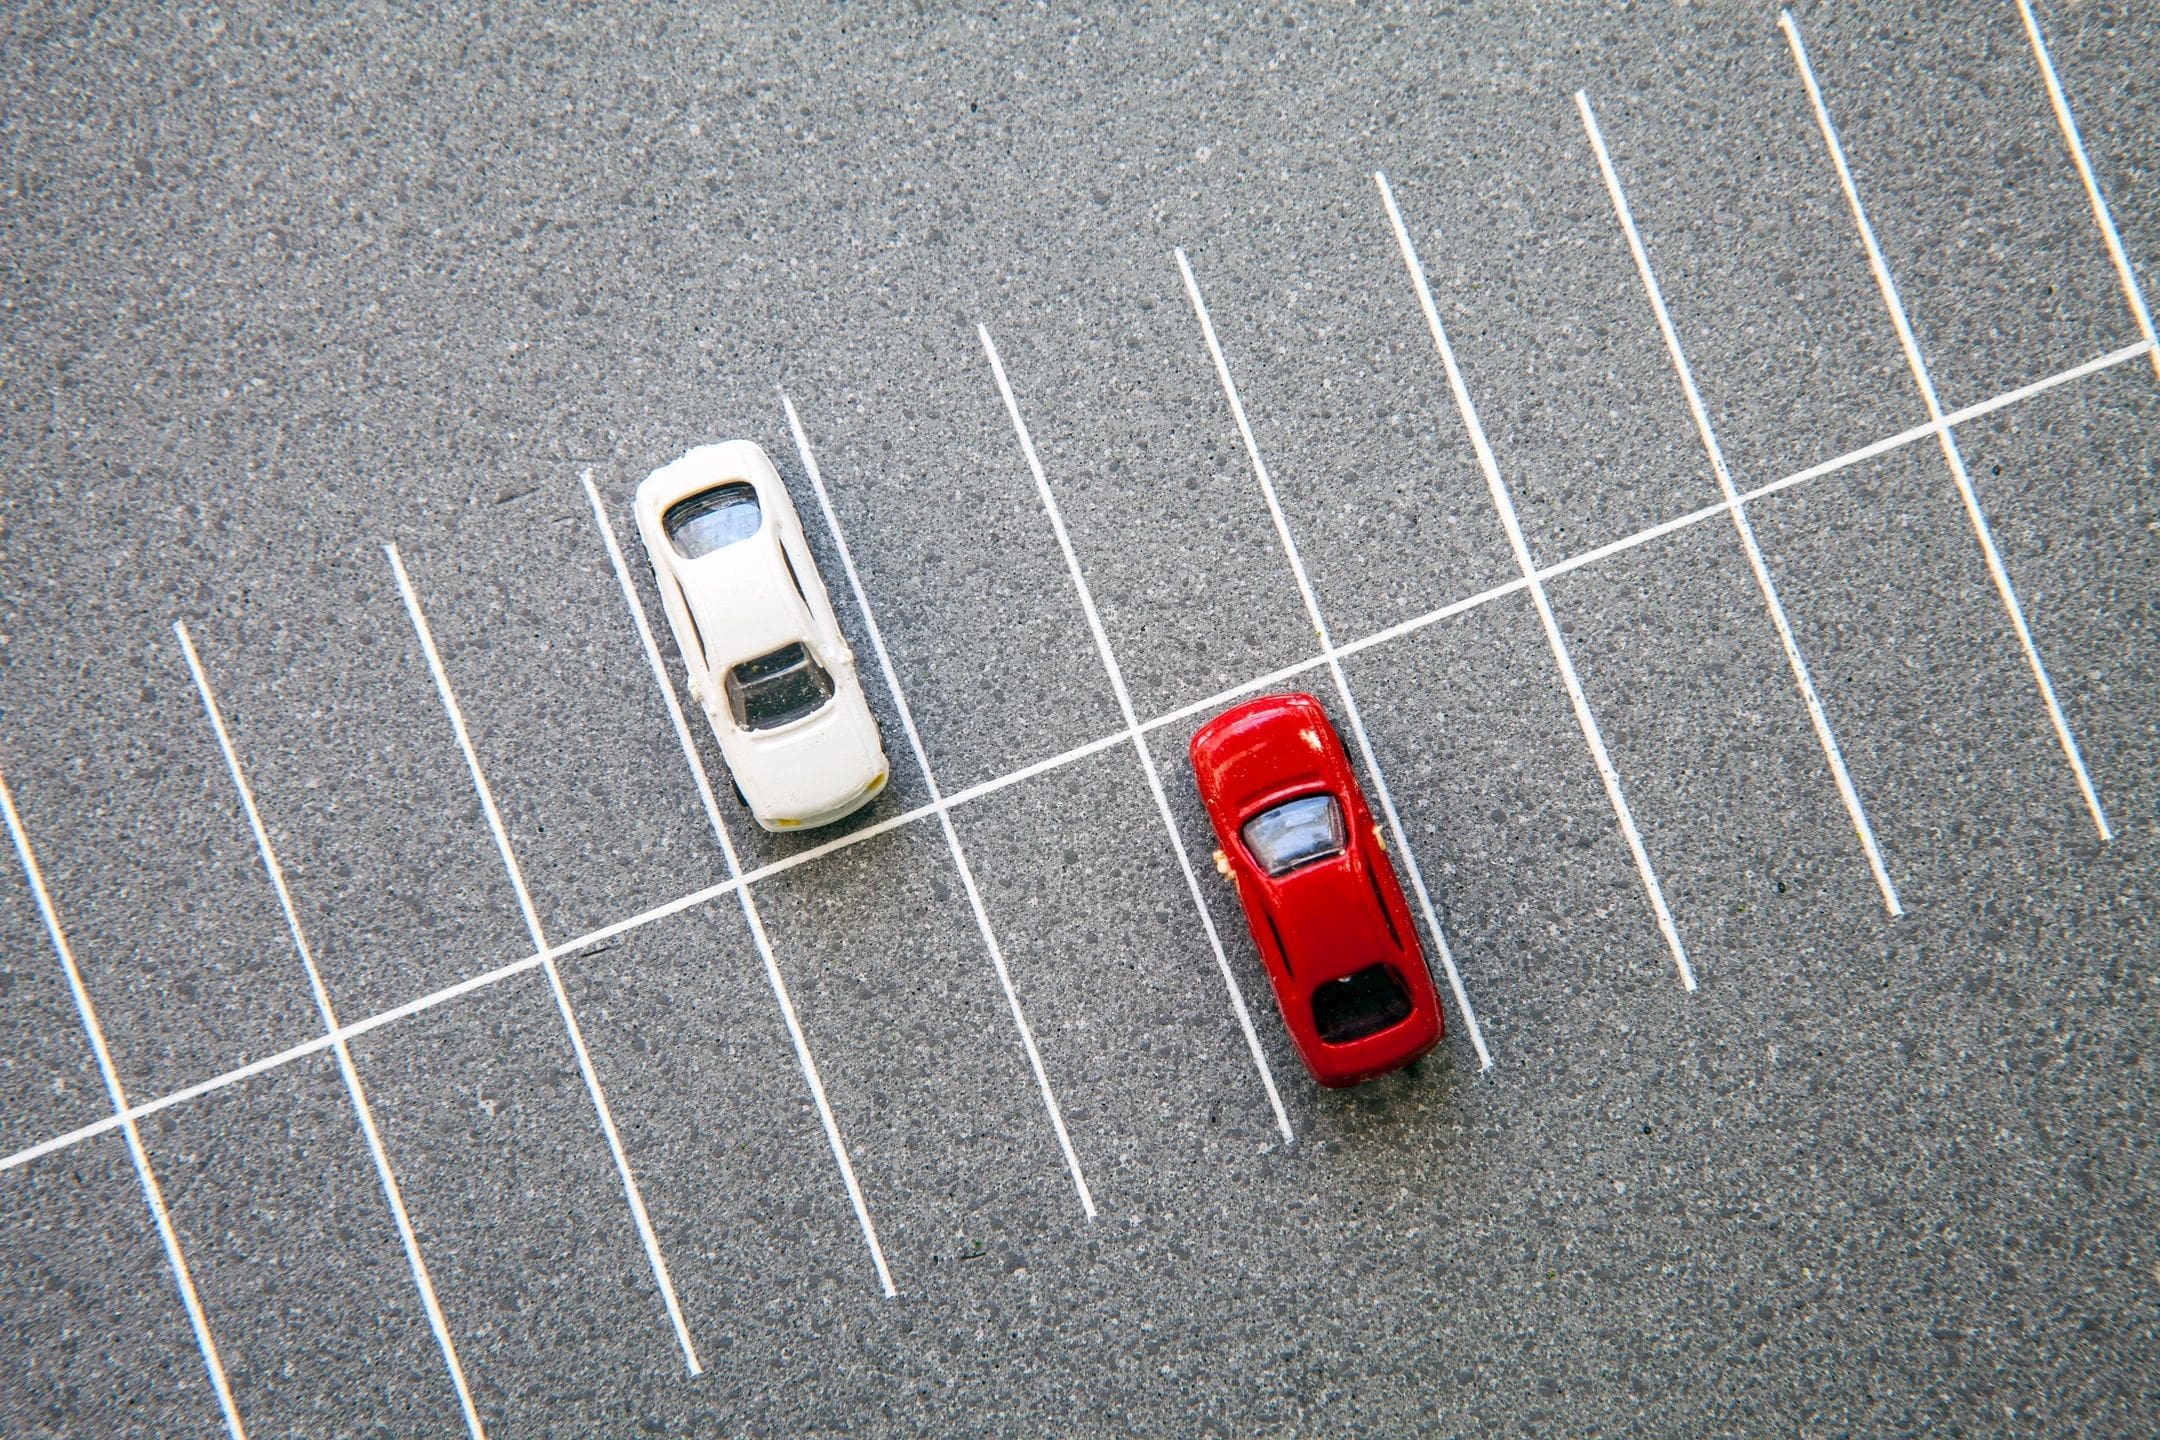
column 1359, row 1005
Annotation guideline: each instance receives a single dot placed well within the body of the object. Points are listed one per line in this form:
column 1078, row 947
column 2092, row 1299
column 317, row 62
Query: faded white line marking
column 1801, row 678
column 1505, row 505
column 1334, row 663
column 631, row 1193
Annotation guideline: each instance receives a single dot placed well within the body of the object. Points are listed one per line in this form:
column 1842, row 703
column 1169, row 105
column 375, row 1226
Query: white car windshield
column 777, row 689
column 1296, row 832
column 717, row 518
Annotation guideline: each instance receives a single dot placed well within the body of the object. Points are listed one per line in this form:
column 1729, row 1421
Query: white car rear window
column 1296, row 832
column 777, row 689
column 710, row 521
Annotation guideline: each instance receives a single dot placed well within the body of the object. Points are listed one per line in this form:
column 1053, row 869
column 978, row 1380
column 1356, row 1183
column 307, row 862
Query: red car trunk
column 1331, row 923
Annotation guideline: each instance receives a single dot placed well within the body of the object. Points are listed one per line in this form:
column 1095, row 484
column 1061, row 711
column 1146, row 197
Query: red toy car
column 1319, row 894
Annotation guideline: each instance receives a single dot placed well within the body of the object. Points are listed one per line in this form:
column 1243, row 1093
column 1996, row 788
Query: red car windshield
column 1296, row 832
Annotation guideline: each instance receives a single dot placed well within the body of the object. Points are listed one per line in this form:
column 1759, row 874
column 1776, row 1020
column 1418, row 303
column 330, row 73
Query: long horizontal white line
column 1079, row 752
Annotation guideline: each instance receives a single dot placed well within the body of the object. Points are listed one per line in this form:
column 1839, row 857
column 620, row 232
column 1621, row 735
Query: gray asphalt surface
column 283, row 289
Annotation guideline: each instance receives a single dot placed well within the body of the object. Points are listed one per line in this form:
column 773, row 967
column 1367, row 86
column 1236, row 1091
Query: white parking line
column 1806, row 683
column 153, row 1196
column 1951, row 454
column 1334, row 661
column 1506, row 508
column 944, row 811
column 804, row 1060
column 352, row 1029
column 2123, row 271
column 631, row 1193
column 2045, row 383
column 1139, row 740
column 483, row 979
column 392, row 1193
column 1926, row 431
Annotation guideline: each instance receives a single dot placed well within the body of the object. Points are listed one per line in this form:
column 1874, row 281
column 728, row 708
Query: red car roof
column 1327, row 923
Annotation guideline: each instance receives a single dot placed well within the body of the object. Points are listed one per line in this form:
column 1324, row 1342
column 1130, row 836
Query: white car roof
column 743, row 601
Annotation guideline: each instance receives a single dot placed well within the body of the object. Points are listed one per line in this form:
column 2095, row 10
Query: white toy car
column 757, row 633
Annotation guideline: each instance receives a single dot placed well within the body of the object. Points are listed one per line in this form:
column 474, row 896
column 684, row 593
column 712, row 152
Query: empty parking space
column 1160, row 1091
column 561, row 706
column 519, row 1210
column 1334, row 371
column 1943, row 728
column 2067, row 477
column 183, row 958
column 1978, row 207
column 301, row 1273
column 927, row 1074
column 1735, row 799
column 1534, row 284
column 360, row 784
column 1758, row 264
column 97, row 1339
column 1121, row 403
column 751, row 1210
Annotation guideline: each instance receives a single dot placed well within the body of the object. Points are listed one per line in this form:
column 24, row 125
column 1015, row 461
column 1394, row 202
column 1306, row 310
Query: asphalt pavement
column 994, row 1130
